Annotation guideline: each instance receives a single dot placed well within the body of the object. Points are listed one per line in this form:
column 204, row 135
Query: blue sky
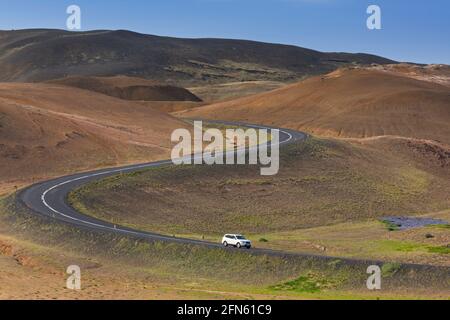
column 417, row 31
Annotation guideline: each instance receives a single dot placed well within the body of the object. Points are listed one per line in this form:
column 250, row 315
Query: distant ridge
column 43, row 54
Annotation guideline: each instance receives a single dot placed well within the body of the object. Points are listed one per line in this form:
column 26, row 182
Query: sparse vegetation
column 194, row 62
column 390, row 269
column 283, row 208
column 303, row 195
column 440, row 250
column 258, row 275
column 310, row 282
column 390, row 225
column 440, row 226
column 402, row 246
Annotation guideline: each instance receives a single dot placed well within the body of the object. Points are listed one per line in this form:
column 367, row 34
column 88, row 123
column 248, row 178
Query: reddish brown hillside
column 347, row 103
column 48, row 130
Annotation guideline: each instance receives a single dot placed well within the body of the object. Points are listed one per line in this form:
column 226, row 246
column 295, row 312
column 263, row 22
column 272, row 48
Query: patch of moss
column 334, row 263
column 390, row 226
column 402, row 246
column 440, row 226
column 440, row 250
column 390, row 268
column 309, row 283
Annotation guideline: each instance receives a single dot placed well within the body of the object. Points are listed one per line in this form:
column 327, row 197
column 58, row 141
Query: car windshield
column 240, row 238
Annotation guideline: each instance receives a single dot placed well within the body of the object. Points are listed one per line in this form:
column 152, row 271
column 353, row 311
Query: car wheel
column 225, row 244
column 238, row 245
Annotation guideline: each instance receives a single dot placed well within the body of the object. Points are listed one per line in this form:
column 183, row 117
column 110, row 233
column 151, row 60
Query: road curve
column 49, row 198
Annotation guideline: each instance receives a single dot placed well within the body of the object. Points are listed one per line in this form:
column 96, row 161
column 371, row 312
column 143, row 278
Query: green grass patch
column 401, row 246
column 439, row 250
column 390, row 225
column 309, row 283
column 389, row 269
column 440, row 226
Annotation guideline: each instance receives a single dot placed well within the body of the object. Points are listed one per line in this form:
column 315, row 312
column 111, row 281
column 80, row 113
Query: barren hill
column 348, row 103
column 41, row 54
column 48, row 130
column 129, row 88
column 438, row 73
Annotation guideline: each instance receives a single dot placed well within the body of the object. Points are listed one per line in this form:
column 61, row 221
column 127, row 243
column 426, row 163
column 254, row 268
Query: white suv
column 236, row 240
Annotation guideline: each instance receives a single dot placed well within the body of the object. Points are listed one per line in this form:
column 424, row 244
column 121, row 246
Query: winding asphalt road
column 49, row 198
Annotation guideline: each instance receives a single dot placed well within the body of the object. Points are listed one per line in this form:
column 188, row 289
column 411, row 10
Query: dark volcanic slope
column 39, row 55
column 129, row 88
